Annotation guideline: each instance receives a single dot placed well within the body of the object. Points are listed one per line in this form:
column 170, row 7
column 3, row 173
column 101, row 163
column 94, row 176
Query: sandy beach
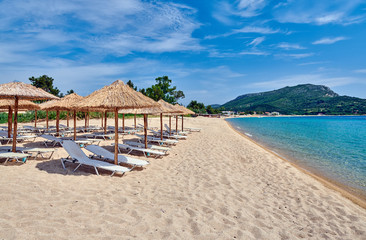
column 214, row 185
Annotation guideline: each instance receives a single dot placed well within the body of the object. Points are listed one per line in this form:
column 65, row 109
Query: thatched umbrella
column 115, row 97
column 20, row 90
column 168, row 109
column 22, row 105
column 64, row 104
column 185, row 111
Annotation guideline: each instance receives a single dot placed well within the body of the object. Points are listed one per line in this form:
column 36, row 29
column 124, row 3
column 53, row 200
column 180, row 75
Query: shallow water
column 333, row 146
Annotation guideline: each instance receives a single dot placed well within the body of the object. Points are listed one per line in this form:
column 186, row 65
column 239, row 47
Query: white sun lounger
column 173, row 131
column 36, row 151
column 169, row 136
column 193, row 129
column 158, row 140
column 51, row 140
column 146, row 152
column 104, row 153
column 78, row 156
column 4, row 137
column 19, row 157
column 142, row 145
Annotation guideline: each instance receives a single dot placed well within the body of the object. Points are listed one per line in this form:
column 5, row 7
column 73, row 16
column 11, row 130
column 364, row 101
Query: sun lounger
column 104, row 153
column 36, row 151
column 142, row 145
column 169, row 136
column 107, row 136
column 18, row 157
column 78, row 156
column 4, row 137
column 173, row 131
column 158, row 140
column 51, row 140
column 193, row 129
column 146, row 152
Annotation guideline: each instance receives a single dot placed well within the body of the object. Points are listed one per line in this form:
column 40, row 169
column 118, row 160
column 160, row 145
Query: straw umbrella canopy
column 20, row 90
column 116, row 96
column 168, row 109
column 22, row 105
column 64, row 104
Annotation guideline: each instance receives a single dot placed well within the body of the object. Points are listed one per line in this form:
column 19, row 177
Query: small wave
column 249, row 135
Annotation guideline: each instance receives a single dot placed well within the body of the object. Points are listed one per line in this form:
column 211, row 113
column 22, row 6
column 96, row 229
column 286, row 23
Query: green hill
column 306, row 99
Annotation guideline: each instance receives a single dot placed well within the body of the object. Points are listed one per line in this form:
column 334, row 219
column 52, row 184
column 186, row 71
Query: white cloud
column 295, row 55
column 360, row 71
column 112, row 27
column 318, row 12
column 226, row 10
column 256, row 41
column 317, row 79
column 289, row 46
column 254, row 52
column 256, row 29
column 329, row 40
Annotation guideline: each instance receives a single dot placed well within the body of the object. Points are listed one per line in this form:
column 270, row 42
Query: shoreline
column 359, row 199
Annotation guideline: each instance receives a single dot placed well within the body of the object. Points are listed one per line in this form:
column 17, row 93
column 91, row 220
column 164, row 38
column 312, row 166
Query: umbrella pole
column 176, row 124
column 145, row 129
column 35, row 118
column 116, row 136
column 170, row 125
column 101, row 117
column 105, row 122
column 182, row 123
column 123, row 122
column 47, row 121
column 85, row 118
column 14, row 148
column 67, row 118
column 135, row 121
column 10, row 121
column 161, row 126
column 74, row 125
column 57, row 122
column 88, row 119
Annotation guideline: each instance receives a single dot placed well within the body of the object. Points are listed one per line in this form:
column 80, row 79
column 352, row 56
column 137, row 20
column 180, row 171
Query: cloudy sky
column 213, row 50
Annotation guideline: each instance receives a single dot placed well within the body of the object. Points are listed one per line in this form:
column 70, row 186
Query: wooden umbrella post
column 176, row 124
column 123, row 122
column 145, row 129
column 47, row 120
column 57, row 122
column 182, row 123
column 101, row 117
column 35, row 118
column 105, row 122
column 74, row 125
column 14, row 148
column 161, row 126
column 170, row 125
column 116, row 136
column 85, row 118
column 10, row 121
column 67, row 119
column 135, row 121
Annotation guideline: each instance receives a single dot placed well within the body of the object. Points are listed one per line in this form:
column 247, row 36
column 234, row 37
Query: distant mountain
column 215, row 105
column 305, row 99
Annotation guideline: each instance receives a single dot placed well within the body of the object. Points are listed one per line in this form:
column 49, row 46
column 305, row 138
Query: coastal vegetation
column 201, row 109
column 305, row 99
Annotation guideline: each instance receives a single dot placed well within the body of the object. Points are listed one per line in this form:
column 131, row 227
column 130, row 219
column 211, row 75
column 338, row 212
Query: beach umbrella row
column 117, row 97
column 21, row 91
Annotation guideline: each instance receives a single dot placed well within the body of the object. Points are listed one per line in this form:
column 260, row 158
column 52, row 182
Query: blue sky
column 213, row 50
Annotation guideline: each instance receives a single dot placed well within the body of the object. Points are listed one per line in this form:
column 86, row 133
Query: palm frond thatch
column 23, row 91
column 64, row 104
column 116, row 96
column 23, row 104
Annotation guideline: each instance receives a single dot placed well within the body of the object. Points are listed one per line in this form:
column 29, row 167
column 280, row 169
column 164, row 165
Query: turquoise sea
column 332, row 146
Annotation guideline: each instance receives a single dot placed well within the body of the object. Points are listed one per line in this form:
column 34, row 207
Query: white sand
column 215, row 185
